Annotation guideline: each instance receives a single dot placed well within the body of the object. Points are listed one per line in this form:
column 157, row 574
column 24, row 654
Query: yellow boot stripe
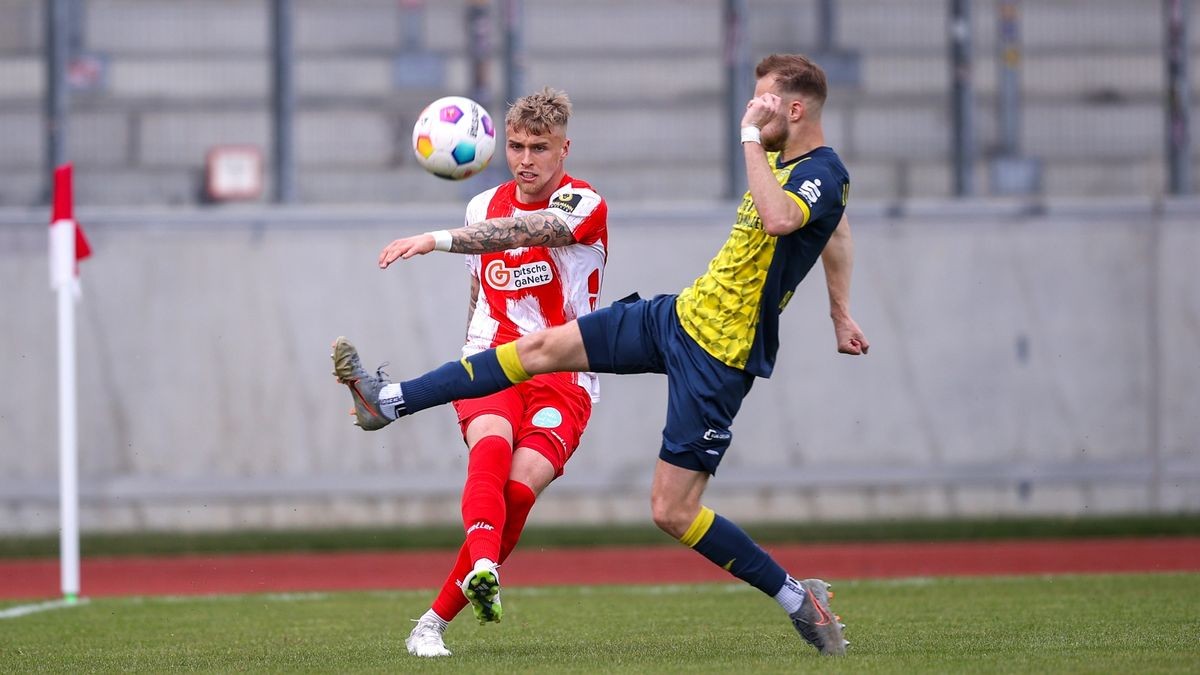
column 510, row 363
column 699, row 527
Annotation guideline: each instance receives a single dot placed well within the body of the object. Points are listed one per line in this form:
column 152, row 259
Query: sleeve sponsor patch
column 810, row 190
column 566, row 202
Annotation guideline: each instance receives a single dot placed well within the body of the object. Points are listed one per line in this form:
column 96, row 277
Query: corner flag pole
column 67, row 246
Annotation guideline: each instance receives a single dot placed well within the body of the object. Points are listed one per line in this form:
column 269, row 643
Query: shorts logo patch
column 714, row 435
column 547, row 418
column 566, row 202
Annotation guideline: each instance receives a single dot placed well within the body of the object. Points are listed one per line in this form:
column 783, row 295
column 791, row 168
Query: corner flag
column 62, row 213
column 68, row 246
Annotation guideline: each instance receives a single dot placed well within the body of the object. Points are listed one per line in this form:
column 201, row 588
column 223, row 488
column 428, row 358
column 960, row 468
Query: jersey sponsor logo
column 810, row 190
column 547, row 418
column 715, row 435
column 504, row 278
column 566, row 202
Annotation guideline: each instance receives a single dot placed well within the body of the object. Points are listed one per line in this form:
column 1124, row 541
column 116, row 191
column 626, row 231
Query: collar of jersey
column 779, row 163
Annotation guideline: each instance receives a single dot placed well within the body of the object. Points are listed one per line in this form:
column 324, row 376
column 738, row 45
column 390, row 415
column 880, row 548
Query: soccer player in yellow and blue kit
column 711, row 340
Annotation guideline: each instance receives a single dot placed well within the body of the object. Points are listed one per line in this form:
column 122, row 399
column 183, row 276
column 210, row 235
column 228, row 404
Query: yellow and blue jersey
column 732, row 311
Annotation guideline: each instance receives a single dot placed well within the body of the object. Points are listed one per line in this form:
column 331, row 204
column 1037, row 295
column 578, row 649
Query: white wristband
column 442, row 240
column 751, row 134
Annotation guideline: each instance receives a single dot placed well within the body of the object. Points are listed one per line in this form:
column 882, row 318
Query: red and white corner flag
column 68, row 245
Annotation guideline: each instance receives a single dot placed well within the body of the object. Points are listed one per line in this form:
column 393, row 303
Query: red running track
column 263, row 573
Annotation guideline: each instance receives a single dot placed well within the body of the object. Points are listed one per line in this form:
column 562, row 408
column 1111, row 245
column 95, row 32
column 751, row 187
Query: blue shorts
column 644, row 336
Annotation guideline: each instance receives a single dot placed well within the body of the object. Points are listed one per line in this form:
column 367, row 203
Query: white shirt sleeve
column 573, row 205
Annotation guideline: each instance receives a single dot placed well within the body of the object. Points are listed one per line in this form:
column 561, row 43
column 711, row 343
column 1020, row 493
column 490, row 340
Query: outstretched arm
column 838, row 260
column 486, row 236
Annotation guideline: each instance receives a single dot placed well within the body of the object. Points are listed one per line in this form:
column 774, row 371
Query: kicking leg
column 554, row 350
column 378, row 402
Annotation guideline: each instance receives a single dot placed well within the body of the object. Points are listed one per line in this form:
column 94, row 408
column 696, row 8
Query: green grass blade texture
column 1061, row 624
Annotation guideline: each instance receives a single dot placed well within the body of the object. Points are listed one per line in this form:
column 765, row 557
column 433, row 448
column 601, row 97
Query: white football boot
column 425, row 640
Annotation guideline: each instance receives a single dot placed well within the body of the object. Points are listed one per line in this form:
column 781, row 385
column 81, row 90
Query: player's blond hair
column 795, row 74
column 539, row 113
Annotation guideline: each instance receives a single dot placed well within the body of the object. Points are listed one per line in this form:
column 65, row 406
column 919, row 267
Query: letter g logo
column 497, row 274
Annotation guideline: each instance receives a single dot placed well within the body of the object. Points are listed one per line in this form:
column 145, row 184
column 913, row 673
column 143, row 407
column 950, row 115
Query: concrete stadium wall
column 1021, row 364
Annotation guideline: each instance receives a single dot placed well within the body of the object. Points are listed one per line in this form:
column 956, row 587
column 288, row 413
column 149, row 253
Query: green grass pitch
column 1055, row 624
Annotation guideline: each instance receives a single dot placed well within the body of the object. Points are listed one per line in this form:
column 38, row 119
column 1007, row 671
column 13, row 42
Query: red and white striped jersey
column 524, row 290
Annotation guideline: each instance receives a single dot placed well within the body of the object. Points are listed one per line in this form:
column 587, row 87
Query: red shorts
column 548, row 414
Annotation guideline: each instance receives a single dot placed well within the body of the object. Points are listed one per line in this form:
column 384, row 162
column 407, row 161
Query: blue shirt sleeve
column 817, row 189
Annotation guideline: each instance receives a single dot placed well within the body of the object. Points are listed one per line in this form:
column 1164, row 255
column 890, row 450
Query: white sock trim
column 390, row 397
column 432, row 617
column 791, row 595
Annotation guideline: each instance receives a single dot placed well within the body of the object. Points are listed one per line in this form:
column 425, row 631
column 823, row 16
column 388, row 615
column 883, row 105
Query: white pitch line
column 23, row 610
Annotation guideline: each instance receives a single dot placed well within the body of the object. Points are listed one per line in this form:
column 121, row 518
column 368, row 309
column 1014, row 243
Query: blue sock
column 727, row 546
column 475, row 376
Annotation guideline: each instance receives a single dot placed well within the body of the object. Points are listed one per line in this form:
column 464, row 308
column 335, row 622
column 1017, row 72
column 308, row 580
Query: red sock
column 483, row 496
column 518, row 498
column 450, row 600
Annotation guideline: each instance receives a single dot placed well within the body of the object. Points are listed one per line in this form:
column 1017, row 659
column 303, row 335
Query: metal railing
column 493, row 41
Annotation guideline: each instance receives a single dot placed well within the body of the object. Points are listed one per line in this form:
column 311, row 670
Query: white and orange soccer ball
column 454, row 138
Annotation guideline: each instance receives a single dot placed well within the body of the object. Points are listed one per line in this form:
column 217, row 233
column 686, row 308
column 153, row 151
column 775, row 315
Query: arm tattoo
column 501, row 234
column 473, row 301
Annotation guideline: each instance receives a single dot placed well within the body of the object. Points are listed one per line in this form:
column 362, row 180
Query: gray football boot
column 816, row 623
column 374, row 408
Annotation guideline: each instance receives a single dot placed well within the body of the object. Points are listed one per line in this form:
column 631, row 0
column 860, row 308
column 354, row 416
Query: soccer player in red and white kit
column 536, row 248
